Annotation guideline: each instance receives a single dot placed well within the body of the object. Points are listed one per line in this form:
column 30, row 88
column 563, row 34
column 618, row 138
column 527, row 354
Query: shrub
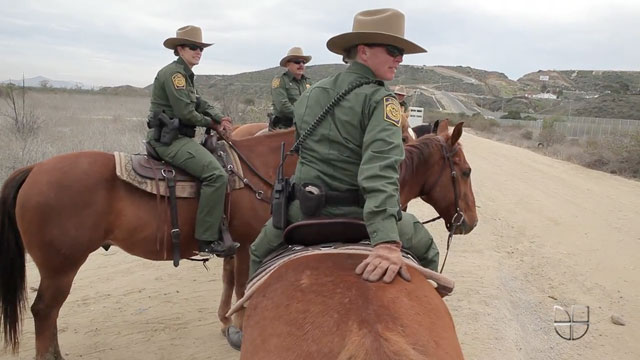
column 527, row 134
column 511, row 114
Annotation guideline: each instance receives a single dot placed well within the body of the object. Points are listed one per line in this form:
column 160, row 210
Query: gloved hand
column 386, row 259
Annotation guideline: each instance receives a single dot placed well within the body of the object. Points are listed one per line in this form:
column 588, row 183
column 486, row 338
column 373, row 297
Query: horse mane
column 416, row 154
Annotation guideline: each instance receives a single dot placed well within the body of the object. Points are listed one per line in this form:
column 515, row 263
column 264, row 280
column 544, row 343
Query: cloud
column 120, row 42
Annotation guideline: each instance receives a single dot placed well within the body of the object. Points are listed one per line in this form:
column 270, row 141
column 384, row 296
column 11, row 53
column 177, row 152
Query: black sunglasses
column 298, row 62
column 193, row 47
column 392, row 50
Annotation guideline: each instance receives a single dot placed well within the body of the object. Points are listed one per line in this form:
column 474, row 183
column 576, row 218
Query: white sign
column 544, row 77
column 415, row 116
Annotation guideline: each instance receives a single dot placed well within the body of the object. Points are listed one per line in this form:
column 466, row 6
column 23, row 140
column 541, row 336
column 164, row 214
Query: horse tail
column 12, row 261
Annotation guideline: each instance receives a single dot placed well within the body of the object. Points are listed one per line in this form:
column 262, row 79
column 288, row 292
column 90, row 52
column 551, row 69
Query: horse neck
column 422, row 165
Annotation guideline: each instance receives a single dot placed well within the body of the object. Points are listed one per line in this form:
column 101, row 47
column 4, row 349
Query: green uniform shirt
column 175, row 93
column 358, row 146
column 285, row 91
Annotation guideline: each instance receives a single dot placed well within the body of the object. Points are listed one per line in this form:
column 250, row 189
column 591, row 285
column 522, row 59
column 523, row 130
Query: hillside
column 585, row 81
column 612, row 94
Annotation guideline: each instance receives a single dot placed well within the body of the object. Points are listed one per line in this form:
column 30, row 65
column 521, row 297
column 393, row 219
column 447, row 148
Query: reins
column 458, row 217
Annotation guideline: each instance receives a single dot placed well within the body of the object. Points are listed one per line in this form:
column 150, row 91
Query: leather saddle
column 320, row 231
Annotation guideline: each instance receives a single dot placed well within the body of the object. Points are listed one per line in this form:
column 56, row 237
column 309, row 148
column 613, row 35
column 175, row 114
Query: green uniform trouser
column 186, row 154
column 414, row 236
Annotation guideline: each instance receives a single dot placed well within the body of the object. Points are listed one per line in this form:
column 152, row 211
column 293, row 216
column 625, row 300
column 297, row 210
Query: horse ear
column 443, row 128
column 434, row 127
column 457, row 132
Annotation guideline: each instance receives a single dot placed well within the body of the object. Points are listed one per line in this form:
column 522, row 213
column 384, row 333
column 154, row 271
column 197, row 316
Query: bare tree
column 24, row 120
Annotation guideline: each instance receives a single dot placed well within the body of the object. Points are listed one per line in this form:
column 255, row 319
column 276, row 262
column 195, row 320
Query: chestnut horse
column 315, row 307
column 247, row 130
column 62, row 209
column 426, row 172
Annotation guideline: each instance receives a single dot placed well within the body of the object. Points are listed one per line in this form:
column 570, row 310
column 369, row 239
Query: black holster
column 165, row 129
column 311, row 197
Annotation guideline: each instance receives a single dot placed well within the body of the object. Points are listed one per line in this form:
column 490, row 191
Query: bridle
column 458, row 217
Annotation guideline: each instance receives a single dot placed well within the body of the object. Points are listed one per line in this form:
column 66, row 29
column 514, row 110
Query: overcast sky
column 115, row 42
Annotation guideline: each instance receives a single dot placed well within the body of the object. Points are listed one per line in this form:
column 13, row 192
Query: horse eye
column 466, row 173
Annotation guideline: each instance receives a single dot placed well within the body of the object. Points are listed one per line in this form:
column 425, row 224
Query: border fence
column 581, row 127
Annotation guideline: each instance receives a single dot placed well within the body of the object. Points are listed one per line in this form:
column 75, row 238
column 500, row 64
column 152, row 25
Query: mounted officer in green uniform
column 401, row 93
column 287, row 88
column 354, row 153
column 176, row 110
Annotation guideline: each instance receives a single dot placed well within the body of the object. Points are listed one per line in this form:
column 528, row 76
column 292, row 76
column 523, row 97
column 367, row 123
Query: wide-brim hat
column 400, row 90
column 295, row 53
column 377, row 26
column 189, row 34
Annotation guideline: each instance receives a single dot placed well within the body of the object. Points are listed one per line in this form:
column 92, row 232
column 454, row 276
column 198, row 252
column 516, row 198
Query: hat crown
column 390, row 21
column 295, row 51
column 190, row 32
column 376, row 26
column 400, row 90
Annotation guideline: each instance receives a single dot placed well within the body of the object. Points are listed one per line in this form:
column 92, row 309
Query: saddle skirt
column 146, row 173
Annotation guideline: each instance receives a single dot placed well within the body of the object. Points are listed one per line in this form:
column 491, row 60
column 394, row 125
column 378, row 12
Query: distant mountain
column 592, row 93
column 41, row 81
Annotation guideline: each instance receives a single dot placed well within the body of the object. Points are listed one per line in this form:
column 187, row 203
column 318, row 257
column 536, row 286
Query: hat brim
column 306, row 58
column 173, row 42
column 339, row 44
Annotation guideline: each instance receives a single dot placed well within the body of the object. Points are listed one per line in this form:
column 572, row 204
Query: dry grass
column 87, row 121
column 615, row 155
column 73, row 122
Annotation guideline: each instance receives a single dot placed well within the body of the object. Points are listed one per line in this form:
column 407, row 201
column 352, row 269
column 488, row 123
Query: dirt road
column 550, row 233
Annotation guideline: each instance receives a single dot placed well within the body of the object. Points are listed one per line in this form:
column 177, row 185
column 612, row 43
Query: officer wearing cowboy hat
column 287, row 88
column 358, row 148
column 401, row 92
column 175, row 95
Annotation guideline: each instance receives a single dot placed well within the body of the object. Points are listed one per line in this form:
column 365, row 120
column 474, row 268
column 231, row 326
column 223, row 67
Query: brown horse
column 62, row 209
column 247, row 130
column 426, row 172
column 315, row 307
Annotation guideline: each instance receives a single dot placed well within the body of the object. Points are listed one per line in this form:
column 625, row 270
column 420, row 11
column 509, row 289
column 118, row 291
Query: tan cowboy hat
column 295, row 53
column 400, row 90
column 377, row 26
column 189, row 34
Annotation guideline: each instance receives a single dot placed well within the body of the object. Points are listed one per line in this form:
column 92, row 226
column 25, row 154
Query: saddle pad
column 443, row 285
column 124, row 170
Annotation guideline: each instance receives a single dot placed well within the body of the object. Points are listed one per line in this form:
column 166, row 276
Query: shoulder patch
column 392, row 111
column 275, row 82
column 179, row 82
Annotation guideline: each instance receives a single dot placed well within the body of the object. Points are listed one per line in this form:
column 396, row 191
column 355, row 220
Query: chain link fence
column 581, row 127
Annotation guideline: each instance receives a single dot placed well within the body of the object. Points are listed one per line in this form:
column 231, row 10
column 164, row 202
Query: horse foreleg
column 228, row 282
column 52, row 293
column 242, row 277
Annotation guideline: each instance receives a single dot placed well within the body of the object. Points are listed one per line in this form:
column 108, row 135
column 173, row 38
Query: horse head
column 436, row 170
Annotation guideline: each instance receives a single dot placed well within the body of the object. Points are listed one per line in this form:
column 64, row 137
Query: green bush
column 511, row 114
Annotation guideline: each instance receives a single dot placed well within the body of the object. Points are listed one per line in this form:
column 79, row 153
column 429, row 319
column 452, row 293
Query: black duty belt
column 337, row 198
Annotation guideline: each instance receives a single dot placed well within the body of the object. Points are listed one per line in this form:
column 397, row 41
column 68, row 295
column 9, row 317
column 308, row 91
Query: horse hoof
column 234, row 337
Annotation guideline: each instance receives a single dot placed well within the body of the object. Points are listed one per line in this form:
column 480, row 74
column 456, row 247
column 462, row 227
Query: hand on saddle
column 386, row 259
